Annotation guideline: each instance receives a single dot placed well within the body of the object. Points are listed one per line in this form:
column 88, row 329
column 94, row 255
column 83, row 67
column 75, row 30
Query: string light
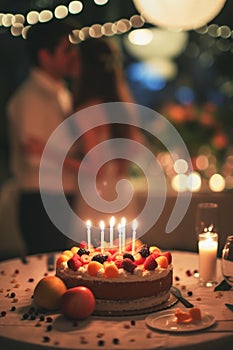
column 18, row 23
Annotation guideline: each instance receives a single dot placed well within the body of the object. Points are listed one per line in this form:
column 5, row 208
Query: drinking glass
column 227, row 260
column 206, row 217
column 206, row 220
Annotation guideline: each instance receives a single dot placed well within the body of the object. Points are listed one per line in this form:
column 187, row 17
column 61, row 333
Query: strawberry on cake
column 120, row 281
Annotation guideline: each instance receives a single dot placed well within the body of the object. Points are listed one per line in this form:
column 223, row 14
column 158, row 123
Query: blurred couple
column 65, row 78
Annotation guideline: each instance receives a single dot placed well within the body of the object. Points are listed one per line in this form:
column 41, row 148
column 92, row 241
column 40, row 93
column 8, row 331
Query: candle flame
column 102, row 225
column 112, row 221
column 135, row 224
column 123, row 221
column 88, row 223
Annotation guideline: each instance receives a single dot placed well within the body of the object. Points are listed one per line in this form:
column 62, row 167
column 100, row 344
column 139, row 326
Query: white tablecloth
column 129, row 332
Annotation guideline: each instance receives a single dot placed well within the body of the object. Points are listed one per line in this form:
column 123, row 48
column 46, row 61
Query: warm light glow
column 7, row 19
column 179, row 182
column 16, row 29
column 18, row 18
column 84, row 33
column 202, row 162
column 179, row 14
column 88, row 224
column 112, row 221
column 180, row 166
column 156, row 42
column 32, row 17
column 134, row 225
column 123, row 222
column 194, row 182
column 217, row 183
column 75, row 7
column 102, row 225
column 95, row 31
column 74, row 36
column 123, row 25
column 61, row 11
column 140, row 36
column 109, row 29
column 224, row 31
column 161, row 67
column 100, row 2
column 24, row 31
column 45, row 16
column 137, row 21
column 1, row 17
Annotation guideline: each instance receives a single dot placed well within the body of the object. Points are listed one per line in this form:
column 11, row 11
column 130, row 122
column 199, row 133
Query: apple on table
column 78, row 303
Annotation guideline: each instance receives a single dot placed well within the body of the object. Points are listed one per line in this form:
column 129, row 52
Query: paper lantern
column 162, row 67
column 179, row 14
column 162, row 43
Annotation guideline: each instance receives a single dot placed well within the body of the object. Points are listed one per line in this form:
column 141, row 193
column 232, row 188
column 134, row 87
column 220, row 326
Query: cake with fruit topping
column 121, row 281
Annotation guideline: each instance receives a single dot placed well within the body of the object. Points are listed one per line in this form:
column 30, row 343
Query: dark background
column 204, row 80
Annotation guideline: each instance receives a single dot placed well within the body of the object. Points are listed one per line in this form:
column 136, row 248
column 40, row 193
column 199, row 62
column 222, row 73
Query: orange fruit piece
column 162, row 261
column 62, row 258
column 74, row 250
column 48, row 292
column 154, row 249
column 182, row 316
column 68, row 253
column 110, row 270
column 94, row 267
column 195, row 313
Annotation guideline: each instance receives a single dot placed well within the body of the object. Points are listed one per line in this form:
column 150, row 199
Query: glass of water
column 227, row 260
column 207, row 218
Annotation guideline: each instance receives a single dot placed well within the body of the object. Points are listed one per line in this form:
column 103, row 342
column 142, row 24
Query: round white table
column 53, row 331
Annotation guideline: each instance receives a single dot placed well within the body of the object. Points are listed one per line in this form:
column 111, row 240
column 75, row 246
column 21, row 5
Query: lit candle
column 134, row 227
column 88, row 234
column 123, row 223
column 102, row 236
column 208, row 246
column 112, row 223
column 120, row 237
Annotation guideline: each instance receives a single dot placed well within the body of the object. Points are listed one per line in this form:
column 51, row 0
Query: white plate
column 166, row 321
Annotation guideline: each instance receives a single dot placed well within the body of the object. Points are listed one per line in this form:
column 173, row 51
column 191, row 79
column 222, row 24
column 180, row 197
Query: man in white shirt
column 37, row 108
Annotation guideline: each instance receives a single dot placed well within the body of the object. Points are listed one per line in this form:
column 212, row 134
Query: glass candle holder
column 207, row 246
column 227, row 260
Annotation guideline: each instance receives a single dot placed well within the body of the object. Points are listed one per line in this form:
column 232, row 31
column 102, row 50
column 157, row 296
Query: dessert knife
column 176, row 292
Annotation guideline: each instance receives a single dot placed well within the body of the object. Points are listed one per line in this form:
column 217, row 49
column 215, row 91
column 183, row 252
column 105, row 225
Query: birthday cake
column 124, row 281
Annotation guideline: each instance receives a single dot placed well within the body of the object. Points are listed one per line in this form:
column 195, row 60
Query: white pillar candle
column 123, row 223
column 102, row 236
column 208, row 246
column 120, row 238
column 112, row 223
column 134, row 227
column 88, row 234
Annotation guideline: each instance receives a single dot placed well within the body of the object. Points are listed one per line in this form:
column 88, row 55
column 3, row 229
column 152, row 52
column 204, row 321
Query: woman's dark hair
column 46, row 36
column 102, row 78
column 101, row 63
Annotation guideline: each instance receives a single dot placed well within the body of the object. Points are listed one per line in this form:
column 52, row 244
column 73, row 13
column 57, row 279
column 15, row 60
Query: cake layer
column 121, row 291
column 122, row 306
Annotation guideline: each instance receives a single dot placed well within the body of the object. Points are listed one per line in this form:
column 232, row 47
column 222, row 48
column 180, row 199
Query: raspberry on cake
column 120, row 281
